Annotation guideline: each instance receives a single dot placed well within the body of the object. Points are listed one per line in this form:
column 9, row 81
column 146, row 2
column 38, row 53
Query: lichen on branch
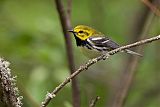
column 9, row 91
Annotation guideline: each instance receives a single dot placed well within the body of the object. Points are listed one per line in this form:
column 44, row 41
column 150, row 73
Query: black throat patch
column 80, row 42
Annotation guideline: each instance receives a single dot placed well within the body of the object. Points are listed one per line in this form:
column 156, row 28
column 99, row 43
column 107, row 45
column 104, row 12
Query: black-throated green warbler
column 94, row 43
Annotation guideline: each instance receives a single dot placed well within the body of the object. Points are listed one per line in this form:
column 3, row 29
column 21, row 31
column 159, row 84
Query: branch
column 8, row 86
column 94, row 101
column 66, row 24
column 52, row 95
column 153, row 8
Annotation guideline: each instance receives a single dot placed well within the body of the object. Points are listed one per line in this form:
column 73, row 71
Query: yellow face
column 83, row 32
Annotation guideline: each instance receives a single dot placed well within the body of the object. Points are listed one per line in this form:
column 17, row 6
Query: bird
column 94, row 43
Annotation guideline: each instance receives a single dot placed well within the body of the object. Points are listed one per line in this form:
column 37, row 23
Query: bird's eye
column 80, row 31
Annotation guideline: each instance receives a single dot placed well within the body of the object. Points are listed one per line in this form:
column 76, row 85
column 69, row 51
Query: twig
column 152, row 7
column 94, row 101
column 9, row 90
column 52, row 95
column 66, row 24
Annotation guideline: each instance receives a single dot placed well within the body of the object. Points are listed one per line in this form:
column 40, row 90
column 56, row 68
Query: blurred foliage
column 32, row 40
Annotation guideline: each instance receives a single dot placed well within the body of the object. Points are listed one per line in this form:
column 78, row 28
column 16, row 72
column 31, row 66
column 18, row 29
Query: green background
column 31, row 39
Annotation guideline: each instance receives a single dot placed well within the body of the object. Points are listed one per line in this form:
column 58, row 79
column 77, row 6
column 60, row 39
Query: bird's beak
column 71, row 31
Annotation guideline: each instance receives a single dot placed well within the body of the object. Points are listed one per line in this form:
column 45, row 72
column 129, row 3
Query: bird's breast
column 90, row 53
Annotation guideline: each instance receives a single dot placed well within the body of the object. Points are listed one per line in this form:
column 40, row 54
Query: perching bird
column 94, row 43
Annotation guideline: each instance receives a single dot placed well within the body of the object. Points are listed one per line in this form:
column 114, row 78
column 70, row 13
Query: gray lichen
column 9, row 91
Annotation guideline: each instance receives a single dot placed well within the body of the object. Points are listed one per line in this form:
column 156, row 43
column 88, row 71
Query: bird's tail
column 132, row 52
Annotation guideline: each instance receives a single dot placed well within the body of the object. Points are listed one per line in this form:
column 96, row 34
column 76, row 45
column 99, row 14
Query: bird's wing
column 105, row 44
column 102, row 43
